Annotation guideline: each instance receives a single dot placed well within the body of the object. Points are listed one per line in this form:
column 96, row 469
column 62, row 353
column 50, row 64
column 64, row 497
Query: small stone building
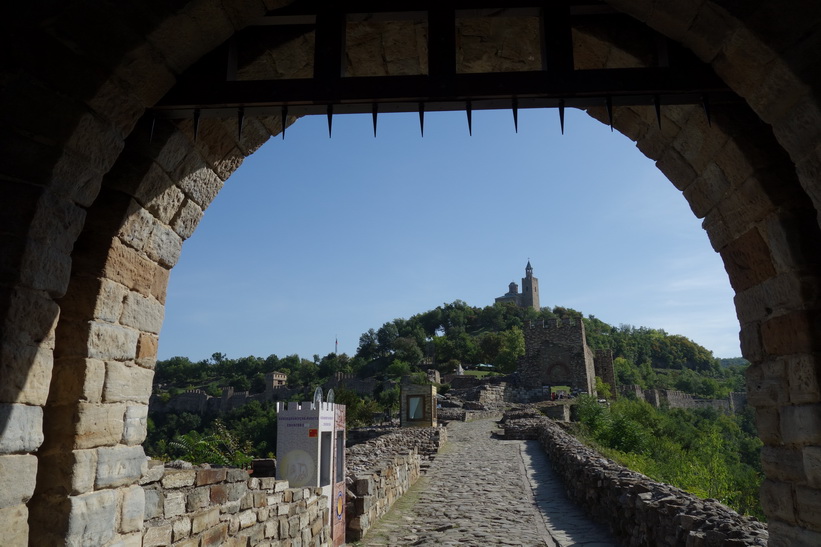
column 417, row 406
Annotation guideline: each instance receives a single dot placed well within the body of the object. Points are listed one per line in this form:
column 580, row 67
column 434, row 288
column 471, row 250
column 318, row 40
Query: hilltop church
column 529, row 297
column 556, row 351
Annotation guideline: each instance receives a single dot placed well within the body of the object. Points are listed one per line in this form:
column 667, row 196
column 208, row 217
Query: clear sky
column 315, row 239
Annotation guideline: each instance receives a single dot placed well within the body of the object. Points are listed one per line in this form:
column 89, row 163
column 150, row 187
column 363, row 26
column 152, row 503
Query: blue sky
column 316, row 238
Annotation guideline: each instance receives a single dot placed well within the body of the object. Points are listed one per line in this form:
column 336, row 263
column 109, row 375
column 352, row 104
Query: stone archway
column 94, row 216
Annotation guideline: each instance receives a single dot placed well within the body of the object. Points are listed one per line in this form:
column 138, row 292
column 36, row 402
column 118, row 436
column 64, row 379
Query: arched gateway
column 96, row 200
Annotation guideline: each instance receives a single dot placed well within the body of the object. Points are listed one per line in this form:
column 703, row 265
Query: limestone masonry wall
column 205, row 507
column 638, row 510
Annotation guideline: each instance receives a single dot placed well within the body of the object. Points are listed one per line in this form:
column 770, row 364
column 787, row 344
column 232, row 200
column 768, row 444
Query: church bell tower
column 530, row 289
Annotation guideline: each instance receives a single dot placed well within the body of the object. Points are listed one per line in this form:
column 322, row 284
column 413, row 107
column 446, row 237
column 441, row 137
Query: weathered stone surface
column 178, row 478
column 174, row 504
column 201, row 185
column 99, row 425
column 155, row 472
column 187, row 219
column 92, row 518
column 812, row 465
column 136, row 422
column 157, row 536
column 112, row 342
column 22, row 428
column 198, row 498
column 147, row 350
column 26, row 373
column 132, row 509
column 801, row 424
column 180, row 528
column 127, row 382
column 119, row 465
column 154, row 502
column 210, row 476
column 164, row 246
column 143, row 313
column 204, row 520
column 17, row 476
column 14, row 523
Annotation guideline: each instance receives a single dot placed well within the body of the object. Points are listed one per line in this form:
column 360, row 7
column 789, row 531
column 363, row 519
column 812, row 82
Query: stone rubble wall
column 638, row 510
column 381, row 470
column 209, row 507
column 735, row 402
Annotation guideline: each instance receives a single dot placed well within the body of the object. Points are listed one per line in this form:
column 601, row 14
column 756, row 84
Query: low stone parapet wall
column 381, row 470
column 206, row 507
column 638, row 510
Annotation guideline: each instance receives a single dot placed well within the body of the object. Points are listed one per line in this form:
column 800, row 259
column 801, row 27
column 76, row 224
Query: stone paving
column 481, row 490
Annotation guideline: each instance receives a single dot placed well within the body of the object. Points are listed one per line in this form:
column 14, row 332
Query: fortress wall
column 638, row 510
column 210, row 507
column 381, row 470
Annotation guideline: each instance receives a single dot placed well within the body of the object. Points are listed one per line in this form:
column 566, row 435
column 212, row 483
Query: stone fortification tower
column 557, row 354
column 530, row 289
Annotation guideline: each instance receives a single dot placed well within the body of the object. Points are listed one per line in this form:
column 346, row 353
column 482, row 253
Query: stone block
column 165, row 204
column 127, row 383
column 137, row 226
column 136, row 424
column 236, row 475
column 804, row 377
column 22, row 428
column 147, row 350
column 164, row 246
column 808, row 502
column 219, row 493
column 174, row 504
column 783, row 464
column 205, row 520
column 119, row 466
column 187, row 219
column 812, row 465
column 783, row 534
column 14, row 523
column 178, row 478
column 159, row 283
column 128, row 267
column 210, row 476
column 108, row 306
column 26, row 373
column 79, row 379
column 110, row 342
column 236, row 491
column 154, row 502
column 198, row 498
column 768, row 423
column 215, row 536
column 247, row 518
column 92, row 518
column 748, row 261
column 801, row 424
column 154, row 473
column 132, row 509
column 793, row 333
column 180, row 528
column 767, row 384
column 143, row 313
column 157, row 536
column 201, row 185
column 17, row 479
column 777, row 500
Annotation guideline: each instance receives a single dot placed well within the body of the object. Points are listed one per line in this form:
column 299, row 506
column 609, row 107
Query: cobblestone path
column 480, row 491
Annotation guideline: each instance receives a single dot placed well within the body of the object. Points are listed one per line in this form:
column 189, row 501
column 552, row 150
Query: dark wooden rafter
column 213, row 90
